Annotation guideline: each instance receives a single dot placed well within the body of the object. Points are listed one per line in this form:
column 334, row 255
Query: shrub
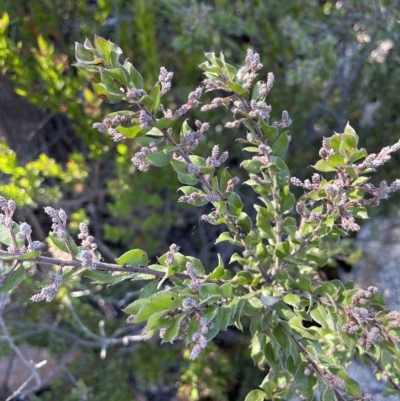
column 304, row 330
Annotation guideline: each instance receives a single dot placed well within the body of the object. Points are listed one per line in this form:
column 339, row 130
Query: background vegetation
column 333, row 61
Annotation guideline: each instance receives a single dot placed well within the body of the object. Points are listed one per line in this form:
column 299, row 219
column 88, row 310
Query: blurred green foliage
column 333, row 61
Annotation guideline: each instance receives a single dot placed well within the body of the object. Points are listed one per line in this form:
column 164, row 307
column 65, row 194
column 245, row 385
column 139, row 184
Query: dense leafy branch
column 303, row 329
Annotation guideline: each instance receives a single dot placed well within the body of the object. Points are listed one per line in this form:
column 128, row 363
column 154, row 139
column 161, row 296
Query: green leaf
column 292, row 299
column 255, row 395
column 159, row 159
column 109, row 94
column 304, row 383
column 296, row 325
column 282, row 176
column 208, row 289
column 120, row 76
column 60, row 244
column 215, row 329
column 179, row 166
column 147, row 101
column 282, row 249
column 155, row 95
column 5, row 235
column 225, row 314
column 244, row 222
column 173, row 331
column 323, row 166
column 318, row 313
column 226, row 290
column 334, row 141
column 280, row 146
column 188, row 179
column 130, row 132
column 265, row 227
column 83, row 55
column 164, row 123
column 359, row 212
column 252, row 166
column 269, row 132
column 216, row 273
column 230, row 71
column 135, row 258
column 335, row 160
column 235, row 204
column 149, row 289
column 98, row 276
column 103, row 47
column 237, row 88
column 287, row 200
column 280, row 336
column 208, row 68
column 160, row 301
column 359, row 154
column 13, row 280
column 350, row 132
column 135, row 79
column 351, row 172
column 157, row 321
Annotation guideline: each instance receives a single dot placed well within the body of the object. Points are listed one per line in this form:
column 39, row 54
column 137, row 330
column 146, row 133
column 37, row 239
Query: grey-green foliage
column 304, row 329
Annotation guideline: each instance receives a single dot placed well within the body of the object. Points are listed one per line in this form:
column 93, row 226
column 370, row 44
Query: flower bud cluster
column 230, row 185
column 380, row 193
column 191, row 139
column 316, row 182
column 285, row 122
column 248, row 72
column 8, row 207
column 25, row 232
column 173, row 249
column 234, row 124
column 193, row 197
column 335, row 381
column 199, row 339
column 260, row 110
column 195, row 284
column 210, row 218
column 165, row 78
column 373, row 161
column 213, row 160
column 325, row 150
column 309, row 370
column 135, row 94
column 193, row 169
column 215, row 103
column 167, row 113
column 214, row 84
column 145, row 119
column 394, row 319
column 189, row 303
column 347, row 221
column 48, row 292
column 88, row 255
column 59, row 219
column 138, row 158
column 108, row 123
column 265, row 88
column 358, row 318
column 193, row 101
column 369, row 338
